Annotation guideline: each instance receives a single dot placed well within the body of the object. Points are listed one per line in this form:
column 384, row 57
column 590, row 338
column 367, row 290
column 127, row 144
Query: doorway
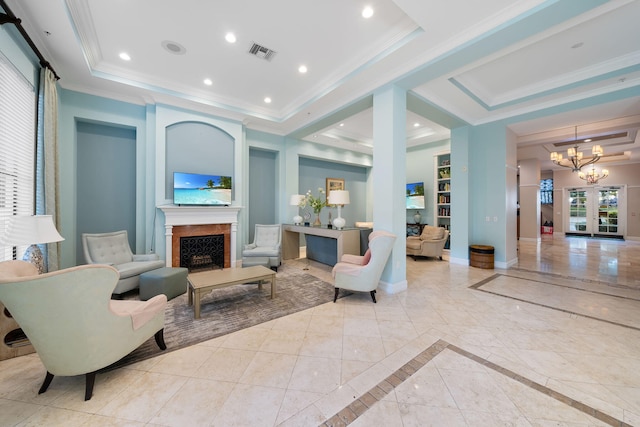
column 594, row 211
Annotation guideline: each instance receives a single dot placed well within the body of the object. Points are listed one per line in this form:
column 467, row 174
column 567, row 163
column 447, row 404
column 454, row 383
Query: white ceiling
column 462, row 61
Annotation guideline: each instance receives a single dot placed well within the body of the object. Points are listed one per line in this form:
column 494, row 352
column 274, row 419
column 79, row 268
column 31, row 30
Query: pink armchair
column 362, row 273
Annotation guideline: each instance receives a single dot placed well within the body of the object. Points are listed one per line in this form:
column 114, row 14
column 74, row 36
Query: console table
column 325, row 245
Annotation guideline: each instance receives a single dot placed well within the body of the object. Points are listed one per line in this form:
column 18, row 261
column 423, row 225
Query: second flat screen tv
column 191, row 189
column 415, row 195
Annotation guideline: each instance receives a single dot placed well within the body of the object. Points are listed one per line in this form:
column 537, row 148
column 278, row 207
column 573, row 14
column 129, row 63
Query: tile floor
column 553, row 341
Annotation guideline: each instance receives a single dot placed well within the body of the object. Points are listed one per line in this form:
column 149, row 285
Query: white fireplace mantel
column 199, row 215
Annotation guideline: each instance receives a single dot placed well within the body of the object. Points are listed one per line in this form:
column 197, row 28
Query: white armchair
column 113, row 249
column 429, row 243
column 267, row 243
column 362, row 273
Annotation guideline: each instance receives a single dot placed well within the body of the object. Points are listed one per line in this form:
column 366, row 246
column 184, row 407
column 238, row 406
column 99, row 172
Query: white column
column 168, row 244
column 389, row 179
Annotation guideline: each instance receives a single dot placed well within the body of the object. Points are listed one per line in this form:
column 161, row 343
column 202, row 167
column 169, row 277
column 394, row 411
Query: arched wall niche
column 197, row 147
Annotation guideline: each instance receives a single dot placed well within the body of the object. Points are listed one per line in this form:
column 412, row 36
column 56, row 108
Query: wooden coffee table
column 204, row 282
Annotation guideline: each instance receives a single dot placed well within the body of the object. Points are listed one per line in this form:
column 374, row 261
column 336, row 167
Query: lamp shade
column 28, row 230
column 339, row 197
column 296, row 199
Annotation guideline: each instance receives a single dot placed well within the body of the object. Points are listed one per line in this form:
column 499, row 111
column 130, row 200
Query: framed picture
column 334, row 184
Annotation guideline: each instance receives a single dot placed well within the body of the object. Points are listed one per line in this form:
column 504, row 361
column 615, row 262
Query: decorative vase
column 317, row 222
column 417, row 217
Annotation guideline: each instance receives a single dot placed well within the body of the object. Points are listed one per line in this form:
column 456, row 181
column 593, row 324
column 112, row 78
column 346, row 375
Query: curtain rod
column 9, row 18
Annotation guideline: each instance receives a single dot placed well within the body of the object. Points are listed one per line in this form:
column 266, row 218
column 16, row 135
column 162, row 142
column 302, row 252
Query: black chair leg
column 373, row 296
column 91, row 380
column 45, row 384
column 335, row 295
column 160, row 339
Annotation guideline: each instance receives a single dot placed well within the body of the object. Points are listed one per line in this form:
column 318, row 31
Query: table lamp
column 340, row 198
column 31, row 230
column 295, row 200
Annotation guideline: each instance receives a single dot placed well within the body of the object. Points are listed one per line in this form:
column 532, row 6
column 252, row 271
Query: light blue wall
column 487, row 188
column 195, row 147
column 263, row 186
column 420, row 168
column 75, row 106
column 313, row 174
column 297, row 150
column 106, row 200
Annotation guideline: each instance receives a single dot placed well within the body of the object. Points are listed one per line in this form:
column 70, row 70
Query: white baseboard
column 393, row 288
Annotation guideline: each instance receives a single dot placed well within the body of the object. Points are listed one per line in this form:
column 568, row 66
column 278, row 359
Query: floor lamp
column 31, row 230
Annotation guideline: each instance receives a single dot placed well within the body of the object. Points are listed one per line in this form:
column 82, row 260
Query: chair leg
column 45, row 384
column 335, row 295
column 160, row 339
column 373, row 296
column 91, row 380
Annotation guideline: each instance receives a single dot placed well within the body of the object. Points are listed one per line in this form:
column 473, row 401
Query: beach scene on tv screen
column 193, row 189
column 415, row 195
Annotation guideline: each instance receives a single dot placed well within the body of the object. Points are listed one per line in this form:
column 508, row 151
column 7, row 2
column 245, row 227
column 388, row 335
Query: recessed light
column 302, row 69
column 416, row 125
column 208, row 82
column 341, row 124
column 230, row 37
column 587, row 140
column 367, row 12
column 125, row 56
column 267, row 100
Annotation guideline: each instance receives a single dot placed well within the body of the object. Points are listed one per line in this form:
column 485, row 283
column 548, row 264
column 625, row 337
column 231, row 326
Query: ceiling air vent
column 262, row 52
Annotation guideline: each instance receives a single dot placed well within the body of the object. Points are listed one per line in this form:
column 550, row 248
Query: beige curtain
column 51, row 178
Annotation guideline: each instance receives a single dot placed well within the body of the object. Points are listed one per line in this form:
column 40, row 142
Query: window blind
column 17, row 148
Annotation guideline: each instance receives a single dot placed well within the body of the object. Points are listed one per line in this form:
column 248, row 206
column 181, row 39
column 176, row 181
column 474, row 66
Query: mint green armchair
column 72, row 322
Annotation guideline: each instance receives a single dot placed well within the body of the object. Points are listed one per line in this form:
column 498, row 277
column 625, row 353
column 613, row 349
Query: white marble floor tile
column 196, row 403
column 144, row 398
column 226, row 364
column 249, row 405
column 269, row 370
column 322, row 345
column 316, row 374
column 505, row 355
column 296, row 401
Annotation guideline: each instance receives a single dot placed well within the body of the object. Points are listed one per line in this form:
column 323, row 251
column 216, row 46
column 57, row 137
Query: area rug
column 231, row 309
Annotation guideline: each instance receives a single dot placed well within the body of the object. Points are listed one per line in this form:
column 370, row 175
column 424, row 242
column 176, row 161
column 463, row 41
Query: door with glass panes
column 594, row 211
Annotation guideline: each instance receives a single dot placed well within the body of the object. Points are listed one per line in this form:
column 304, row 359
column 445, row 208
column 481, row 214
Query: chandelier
column 575, row 159
column 592, row 177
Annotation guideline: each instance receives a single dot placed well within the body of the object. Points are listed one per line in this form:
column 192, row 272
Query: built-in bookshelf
column 442, row 192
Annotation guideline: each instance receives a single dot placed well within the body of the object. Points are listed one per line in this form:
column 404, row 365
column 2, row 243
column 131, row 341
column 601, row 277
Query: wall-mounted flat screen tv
column 201, row 190
column 415, row 195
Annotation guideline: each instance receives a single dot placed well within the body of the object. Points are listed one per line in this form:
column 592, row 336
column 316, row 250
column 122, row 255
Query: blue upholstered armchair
column 113, row 249
column 267, row 243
